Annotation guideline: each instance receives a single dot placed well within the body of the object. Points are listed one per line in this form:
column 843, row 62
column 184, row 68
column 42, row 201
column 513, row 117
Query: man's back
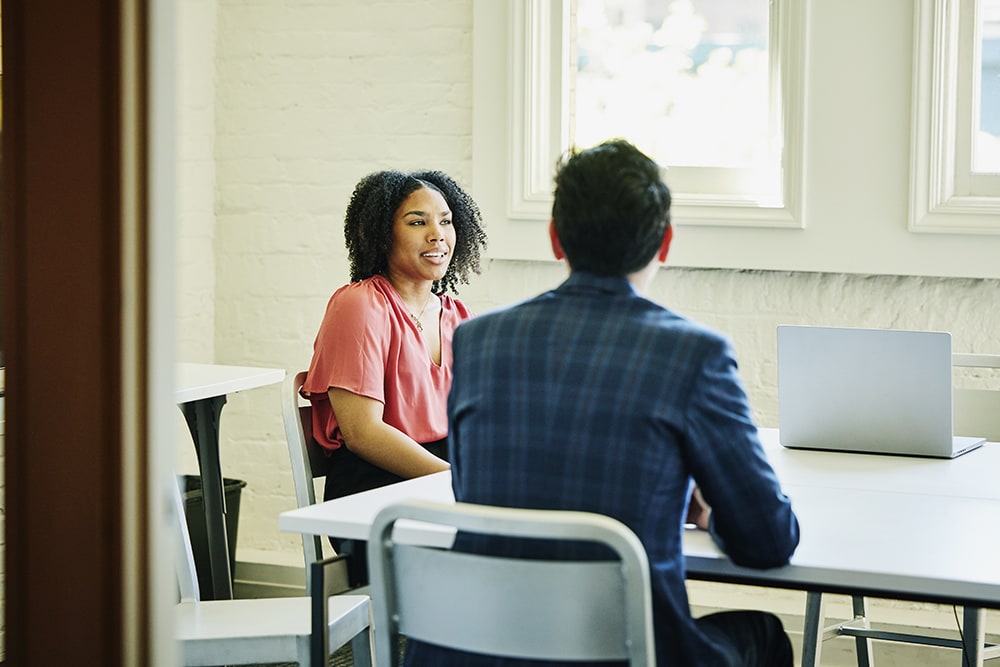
column 593, row 398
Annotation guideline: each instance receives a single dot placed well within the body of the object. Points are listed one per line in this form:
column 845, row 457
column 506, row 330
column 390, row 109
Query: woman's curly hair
column 369, row 220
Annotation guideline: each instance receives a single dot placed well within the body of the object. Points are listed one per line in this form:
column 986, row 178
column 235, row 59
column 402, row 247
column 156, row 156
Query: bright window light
column 688, row 81
column 986, row 145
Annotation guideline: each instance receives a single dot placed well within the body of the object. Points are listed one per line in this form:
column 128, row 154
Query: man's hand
column 698, row 510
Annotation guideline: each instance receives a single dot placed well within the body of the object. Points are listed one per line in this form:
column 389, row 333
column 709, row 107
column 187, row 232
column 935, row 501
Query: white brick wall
column 195, row 272
column 748, row 306
column 310, row 96
column 280, row 118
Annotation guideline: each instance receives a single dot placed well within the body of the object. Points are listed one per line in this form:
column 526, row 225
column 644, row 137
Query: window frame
column 946, row 197
column 521, row 85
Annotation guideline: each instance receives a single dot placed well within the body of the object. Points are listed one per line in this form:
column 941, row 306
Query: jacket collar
column 581, row 282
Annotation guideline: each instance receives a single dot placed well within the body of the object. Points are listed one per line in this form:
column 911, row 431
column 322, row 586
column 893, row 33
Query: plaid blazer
column 591, row 397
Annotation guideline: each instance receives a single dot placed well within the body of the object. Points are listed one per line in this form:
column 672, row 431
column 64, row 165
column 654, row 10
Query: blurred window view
column 986, row 146
column 688, row 81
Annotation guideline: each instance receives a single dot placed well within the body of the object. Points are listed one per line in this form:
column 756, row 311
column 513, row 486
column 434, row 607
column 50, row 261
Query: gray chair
column 307, row 460
column 268, row 630
column 976, row 413
column 523, row 608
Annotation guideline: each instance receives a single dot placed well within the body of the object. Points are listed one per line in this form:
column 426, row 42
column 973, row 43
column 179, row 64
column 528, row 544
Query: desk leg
column 812, row 629
column 862, row 645
column 973, row 636
column 203, row 422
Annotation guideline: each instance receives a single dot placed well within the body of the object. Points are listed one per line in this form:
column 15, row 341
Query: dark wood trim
column 142, row 596
column 61, row 249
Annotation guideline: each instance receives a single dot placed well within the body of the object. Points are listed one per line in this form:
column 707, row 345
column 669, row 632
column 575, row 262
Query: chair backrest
column 977, row 411
column 187, row 574
column 518, row 608
column 307, row 460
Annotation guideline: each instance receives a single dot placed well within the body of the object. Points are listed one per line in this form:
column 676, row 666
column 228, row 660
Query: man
column 591, row 397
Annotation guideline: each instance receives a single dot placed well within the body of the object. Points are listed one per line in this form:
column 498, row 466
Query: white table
column 879, row 526
column 351, row 517
column 200, row 391
column 972, row 475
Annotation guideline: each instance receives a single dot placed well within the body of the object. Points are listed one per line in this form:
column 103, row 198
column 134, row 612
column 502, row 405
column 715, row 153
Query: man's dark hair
column 611, row 208
column 369, row 218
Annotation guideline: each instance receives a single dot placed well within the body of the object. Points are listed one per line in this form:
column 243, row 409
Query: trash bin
column 194, row 513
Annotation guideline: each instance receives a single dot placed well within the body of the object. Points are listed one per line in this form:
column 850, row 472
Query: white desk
column 972, row 475
column 879, row 526
column 195, row 382
column 200, row 391
column 351, row 517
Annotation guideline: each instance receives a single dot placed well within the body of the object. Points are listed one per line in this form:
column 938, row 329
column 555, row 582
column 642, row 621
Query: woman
column 381, row 367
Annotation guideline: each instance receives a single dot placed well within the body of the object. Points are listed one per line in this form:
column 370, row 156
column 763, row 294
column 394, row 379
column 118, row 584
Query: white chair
column 307, row 461
column 524, row 608
column 244, row 632
column 976, row 413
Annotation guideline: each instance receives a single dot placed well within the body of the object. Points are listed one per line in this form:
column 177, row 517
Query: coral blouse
column 369, row 345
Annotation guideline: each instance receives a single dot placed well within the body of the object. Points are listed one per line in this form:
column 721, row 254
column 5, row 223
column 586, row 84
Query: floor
column 341, row 658
column 836, row 653
column 839, row 652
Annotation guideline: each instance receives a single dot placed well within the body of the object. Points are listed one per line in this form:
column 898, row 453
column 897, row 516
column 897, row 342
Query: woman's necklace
column 416, row 318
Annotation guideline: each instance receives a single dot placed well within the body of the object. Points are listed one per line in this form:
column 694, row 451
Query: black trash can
column 194, row 513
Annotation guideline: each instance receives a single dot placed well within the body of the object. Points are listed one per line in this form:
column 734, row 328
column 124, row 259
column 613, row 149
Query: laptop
column 878, row 391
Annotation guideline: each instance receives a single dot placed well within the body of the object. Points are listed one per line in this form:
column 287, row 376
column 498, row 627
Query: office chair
column 547, row 609
column 976, row 412
column 268, row 630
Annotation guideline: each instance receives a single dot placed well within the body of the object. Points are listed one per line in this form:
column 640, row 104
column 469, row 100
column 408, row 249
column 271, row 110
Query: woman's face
column 422, row 236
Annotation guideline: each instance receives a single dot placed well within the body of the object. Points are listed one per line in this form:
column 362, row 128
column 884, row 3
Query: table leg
column 203, row 422
column 862, row 645
column 812, row 629
column 973, row 636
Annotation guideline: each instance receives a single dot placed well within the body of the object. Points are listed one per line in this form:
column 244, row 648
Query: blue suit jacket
column 590, row 397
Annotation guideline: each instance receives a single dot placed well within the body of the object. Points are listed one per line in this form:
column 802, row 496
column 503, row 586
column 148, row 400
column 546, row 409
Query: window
column 955, row 171
column 755, row 184
column 686, row 81
column 864, row 103
column 986, row 78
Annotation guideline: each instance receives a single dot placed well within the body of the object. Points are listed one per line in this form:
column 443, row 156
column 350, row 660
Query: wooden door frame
column 73, row 246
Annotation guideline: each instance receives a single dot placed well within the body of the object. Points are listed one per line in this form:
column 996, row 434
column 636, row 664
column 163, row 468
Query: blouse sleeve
column 351, row 347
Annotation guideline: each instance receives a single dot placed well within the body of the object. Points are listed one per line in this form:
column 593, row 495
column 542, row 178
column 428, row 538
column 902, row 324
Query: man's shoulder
column 641, row 313
column 696, row 328
column 503, row 314
column 675, row 323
